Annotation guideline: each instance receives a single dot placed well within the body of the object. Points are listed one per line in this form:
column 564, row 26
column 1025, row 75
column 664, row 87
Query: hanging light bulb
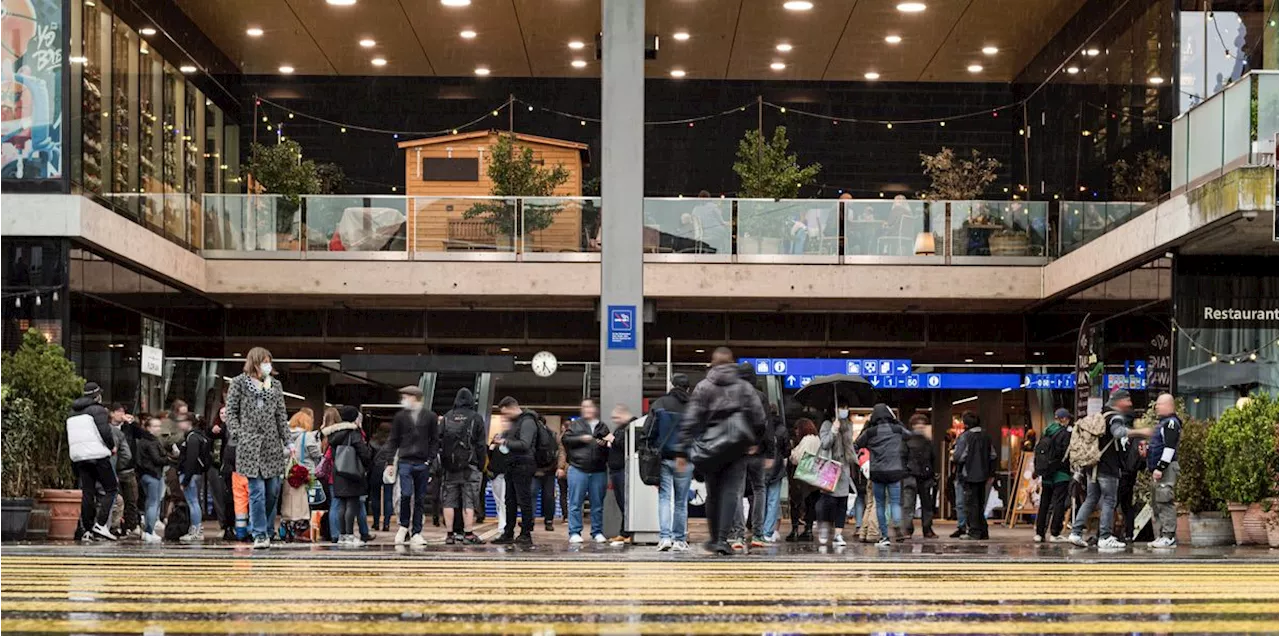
column 18, row 302
column 37, row 300
column 1213, row 358
column 1253, row 356
column 55, row 295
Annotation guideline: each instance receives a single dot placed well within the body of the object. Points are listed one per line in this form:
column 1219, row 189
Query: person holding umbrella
column 836, row 439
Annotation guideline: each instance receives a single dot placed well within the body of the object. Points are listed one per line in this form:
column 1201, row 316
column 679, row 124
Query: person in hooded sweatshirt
column 723, row 394
column 975, row 461
column 921, row 480
column 884, row 436
column 91, row 443
column 673, row 488
column 152, row 463
column 517, row 443
column 775, row 476
column 415, row 435
column 755, row 487
column 462, row 451
column 348, row 488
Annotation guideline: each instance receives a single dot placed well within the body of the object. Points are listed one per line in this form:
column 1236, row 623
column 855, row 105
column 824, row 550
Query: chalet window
column 447, row 169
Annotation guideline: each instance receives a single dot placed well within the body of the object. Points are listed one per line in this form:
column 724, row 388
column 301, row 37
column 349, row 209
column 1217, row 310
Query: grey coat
column 259, row 427
column 839, row 447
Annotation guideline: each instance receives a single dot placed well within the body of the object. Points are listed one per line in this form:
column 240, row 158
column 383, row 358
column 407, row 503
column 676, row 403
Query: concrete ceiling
column 728, row 39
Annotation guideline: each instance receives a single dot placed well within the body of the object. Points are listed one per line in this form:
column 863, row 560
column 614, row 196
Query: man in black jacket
column 91, row 444
column 462, row 451
column 975, row 461
column 415, row 437
column 920, row 480
column 518, row 445
column 673, row 488
column 586, row 455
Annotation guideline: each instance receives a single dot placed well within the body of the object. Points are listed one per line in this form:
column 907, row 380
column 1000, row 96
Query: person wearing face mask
column 415, row 440
column 259, row 427
column 836, row 443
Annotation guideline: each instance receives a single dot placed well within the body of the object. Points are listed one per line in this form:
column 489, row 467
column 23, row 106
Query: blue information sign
column 1050, row 381
column 814, row 367
column 622, row 326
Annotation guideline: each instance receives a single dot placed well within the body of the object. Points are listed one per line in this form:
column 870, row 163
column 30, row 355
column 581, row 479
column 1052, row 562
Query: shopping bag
column 820, row 472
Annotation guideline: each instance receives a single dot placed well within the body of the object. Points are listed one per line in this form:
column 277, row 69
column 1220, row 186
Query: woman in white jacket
column 803, row 496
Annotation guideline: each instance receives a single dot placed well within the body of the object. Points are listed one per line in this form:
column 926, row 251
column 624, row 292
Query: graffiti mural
column 31, row 32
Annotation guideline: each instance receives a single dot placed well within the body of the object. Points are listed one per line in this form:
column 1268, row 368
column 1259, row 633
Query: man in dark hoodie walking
column 518, row 445
column 883, row 437
column 91, row 444
column 975, row 462
column 415, row 436
column 462, row 450
column 718, row 398
column 920, row 481
column 673, row 488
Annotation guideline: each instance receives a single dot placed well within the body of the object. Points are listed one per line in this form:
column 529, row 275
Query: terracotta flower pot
column 1184, row 528
column 1238, row 511
column 1255, row 524
column 64, row 512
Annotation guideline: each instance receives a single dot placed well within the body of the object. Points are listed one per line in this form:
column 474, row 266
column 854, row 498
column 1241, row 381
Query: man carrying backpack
column 195, row 456
column 462, row 450
column 519, row 444
column 91, row 444
column 1102, row 466
column 546, row 459
column 1055, row 477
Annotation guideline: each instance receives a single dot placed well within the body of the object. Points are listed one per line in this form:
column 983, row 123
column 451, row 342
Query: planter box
column 15, row 516
column 1211, row 529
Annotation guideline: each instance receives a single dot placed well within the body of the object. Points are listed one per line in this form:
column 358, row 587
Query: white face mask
column 406, row 403
column 842, row 414
column 265, row 368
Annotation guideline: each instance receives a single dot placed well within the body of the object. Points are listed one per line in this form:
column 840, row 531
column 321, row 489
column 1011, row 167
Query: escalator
column 446, row 389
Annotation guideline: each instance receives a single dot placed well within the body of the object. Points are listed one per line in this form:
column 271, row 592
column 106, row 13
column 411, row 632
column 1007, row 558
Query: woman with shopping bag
column 833, row 465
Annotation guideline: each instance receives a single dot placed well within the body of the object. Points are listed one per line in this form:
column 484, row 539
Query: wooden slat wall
column 429, row 220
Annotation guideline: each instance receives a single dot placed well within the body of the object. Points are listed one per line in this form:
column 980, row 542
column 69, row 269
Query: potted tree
column 18, row 481
column 1206, row 524
column 280, row 169
column 1143, row 179
column 953, row 178
column 40, row 384
column 767, row 171
column 1242, row 463
column 514, row 173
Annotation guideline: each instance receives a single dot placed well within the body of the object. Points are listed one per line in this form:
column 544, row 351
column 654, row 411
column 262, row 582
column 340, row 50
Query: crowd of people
column 281, row 478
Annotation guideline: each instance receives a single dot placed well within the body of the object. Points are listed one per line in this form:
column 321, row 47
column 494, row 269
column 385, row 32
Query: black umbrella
column 824, row 391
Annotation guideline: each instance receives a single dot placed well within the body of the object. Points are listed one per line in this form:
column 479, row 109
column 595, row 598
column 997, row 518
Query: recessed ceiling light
column 468, row 34
column 505, row 349
column 576, row 45
column 253, row 32
column 1156, row 79
column 1092, row 52
column 797, row 5
column 975, row 68
column 777, row 66
column 990, row 50
column 579, row 63
column 1072, row 70
column 286, row 69
column 358, row 348
column 681, row 35
column 783, row 47
column 988, row 353
column 844, row 352
column 871, row 75
column 911, row 7
column 455, row 3
column 148, row 31
column 968, row 359
column 77, row 59
column 893, row 39
column 699, row 350
column 187, row 68
column 368, row 43
column 677, row 72
column 480, row 70
column 341, row 3
column 378, row 61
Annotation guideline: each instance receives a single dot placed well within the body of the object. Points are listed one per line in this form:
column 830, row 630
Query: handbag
column 389, row 473
column 324, row 470
column 346, row 462
column 722, row 443
column 650, row 457
column 822, row 473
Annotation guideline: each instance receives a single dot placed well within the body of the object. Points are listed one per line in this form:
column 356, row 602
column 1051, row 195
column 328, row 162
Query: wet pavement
column 1006, row 586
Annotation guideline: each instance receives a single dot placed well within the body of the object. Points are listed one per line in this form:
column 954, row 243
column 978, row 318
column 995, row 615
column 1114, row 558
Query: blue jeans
column 381, row 500
column 1102, row 491
column 892, row 508
column 154, row 489
column 673, row 502
column 857, row 504
column 335, row 516
column 584, row 485
column 264, row 492
column 191, row 492
column 961, row 516
column 413, row 492
column 772, row 508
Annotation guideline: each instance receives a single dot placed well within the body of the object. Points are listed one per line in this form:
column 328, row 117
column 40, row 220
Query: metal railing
column 1235, row 127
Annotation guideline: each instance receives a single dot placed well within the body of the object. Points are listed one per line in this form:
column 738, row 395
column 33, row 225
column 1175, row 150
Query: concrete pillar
column 622, row 189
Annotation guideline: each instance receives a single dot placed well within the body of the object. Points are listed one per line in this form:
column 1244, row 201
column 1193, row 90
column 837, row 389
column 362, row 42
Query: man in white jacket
column 91, row 444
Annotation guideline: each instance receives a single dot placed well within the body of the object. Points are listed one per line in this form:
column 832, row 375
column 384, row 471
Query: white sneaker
column 663, row 544
column 775, row 537
column 355, row 541
column 1111, row 543
column 88, row 538
column 838, row 540
column 159, row 529
column 196, row 534
column 418, row 540
column 680, row 546
column 151, row 537
column 1057, row 538
column 575, row 538
column 402, row 536
column 262, row 543
column 104, row 532
column 1163, row 543
column 599, row 538
column 1039, row 538
column 1077, row 541
column 884, row 542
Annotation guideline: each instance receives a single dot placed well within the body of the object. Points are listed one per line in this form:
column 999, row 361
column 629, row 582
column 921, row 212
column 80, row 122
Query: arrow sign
column 874, row 380
column 791, row 381
column 1140, row 367
column 903, row 367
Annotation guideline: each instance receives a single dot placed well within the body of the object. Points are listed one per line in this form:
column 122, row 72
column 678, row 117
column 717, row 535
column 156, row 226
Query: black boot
column 505, row 539
column 794, row 535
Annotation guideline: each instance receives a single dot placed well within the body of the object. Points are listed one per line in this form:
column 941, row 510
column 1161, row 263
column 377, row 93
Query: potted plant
column 280, row 169
column 1242, row 463
column 1143, row 179
column 952, row 178
column 767, row 171
column 39, row 386
column 17, row 472
column 514, row 173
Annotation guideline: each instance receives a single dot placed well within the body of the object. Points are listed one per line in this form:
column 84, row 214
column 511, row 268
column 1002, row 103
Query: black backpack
column 179, row 522
column 545, row 451
column 1050, row 455
column 206, row 452
column 455, row 450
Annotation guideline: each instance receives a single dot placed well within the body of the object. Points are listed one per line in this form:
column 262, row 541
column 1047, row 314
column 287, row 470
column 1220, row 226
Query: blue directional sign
column 815, row 367
column 869, row 367
column 1050, row 381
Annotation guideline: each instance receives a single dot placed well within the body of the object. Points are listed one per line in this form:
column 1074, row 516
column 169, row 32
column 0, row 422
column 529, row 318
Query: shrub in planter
column 1206, row 525
column 1242, row 455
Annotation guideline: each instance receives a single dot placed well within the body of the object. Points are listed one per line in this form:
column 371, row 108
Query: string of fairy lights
column 1222, row 357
